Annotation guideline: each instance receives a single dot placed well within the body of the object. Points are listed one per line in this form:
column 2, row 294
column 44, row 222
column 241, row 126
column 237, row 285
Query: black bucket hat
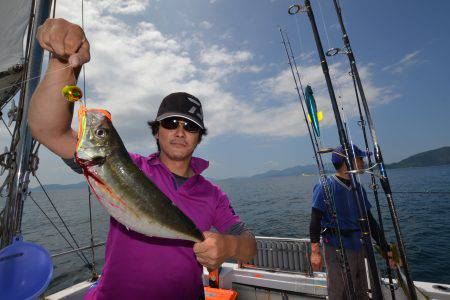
column 182, row 105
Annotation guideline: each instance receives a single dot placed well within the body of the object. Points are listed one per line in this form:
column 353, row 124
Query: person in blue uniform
column 324, row 222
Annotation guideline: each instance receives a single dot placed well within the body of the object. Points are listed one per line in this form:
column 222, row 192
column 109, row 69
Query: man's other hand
column 316, row 257
column 64, row 40
column 316, row 262
column 215, row 249
column 392, row 263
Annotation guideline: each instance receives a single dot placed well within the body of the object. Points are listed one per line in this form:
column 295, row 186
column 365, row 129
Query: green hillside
column 436, row 157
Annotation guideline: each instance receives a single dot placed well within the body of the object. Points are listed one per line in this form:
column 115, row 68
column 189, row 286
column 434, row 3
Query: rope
column 7, row 128
column 57, row 212
column 83, row 258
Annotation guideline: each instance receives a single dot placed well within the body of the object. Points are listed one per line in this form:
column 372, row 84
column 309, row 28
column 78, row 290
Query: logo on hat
column 180, row 105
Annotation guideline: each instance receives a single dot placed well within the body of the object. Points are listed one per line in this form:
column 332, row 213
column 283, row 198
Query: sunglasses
column 173, row 123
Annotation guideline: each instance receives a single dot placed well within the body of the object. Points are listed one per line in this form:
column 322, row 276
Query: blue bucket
column 25, row 270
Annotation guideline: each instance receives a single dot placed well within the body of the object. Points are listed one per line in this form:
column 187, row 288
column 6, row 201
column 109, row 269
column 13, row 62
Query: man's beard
column 176, row 156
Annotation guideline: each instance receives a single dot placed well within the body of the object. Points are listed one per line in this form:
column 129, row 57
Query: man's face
column 177, row 144
column 360, row 163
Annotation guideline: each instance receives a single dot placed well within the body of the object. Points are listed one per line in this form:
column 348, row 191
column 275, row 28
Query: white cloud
column 216, row 56
column 408, row 60
column 288, row 114
column 205, row 25
column 123, row 6
column 226, row 35
column 221, row 63
column 134, row 67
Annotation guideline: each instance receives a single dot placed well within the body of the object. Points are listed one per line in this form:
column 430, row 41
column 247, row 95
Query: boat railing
column 281, row 254
column 80, row 249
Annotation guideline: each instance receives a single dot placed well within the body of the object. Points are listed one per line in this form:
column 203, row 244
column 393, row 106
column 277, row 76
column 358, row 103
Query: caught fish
column 121, row 187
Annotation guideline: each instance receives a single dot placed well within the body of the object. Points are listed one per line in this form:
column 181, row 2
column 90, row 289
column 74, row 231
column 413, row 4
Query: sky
column 229, row 54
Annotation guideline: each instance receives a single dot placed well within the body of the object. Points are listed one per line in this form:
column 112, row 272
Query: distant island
column 293, row 171
column 436, row 157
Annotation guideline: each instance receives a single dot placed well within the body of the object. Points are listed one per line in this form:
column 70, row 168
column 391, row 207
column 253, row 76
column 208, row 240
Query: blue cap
column 338, row 155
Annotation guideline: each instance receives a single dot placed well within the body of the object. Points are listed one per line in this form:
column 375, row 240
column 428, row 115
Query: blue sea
column 277, row 206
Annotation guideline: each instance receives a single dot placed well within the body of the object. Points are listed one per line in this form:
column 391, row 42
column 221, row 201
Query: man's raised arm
column 50, row 114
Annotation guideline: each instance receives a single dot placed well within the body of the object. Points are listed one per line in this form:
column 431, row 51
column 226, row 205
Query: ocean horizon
column 277, row 206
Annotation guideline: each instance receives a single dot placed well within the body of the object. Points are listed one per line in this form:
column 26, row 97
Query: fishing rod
column 343, row 259
column 349, row 156
column 374, row 186
column 384, row 180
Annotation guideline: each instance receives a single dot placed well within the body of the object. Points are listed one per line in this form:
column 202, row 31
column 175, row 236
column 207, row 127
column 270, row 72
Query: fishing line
column 343, row 112
column 36, row 77
column 423, row 192
column 384, row 180
column 332, row 58
column 84, row 101
column 59, row 215
column 302, row 50
column 360, row 186
column 84, row 65
column 322, row 177
column 299, row 36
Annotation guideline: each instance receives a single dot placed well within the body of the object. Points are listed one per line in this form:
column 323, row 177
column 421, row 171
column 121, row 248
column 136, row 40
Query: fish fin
column 102, row 192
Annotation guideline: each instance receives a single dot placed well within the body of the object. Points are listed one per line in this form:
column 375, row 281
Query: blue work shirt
column 346, row 210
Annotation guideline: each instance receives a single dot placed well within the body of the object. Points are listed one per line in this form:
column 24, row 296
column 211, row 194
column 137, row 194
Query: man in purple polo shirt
column 137, row 266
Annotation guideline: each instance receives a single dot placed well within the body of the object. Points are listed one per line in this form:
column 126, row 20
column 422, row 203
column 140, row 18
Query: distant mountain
column 292, row 171
column 79, row 185
column 436, row 157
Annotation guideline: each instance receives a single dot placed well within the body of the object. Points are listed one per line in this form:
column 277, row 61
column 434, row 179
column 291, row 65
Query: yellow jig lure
column 72, row 93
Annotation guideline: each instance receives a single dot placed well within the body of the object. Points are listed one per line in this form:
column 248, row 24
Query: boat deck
column 280, row 270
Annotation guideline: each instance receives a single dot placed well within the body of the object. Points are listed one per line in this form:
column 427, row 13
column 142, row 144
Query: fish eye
column 101, row 133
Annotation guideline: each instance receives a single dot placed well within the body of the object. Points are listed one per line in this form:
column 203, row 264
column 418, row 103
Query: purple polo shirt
column 141, row 267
